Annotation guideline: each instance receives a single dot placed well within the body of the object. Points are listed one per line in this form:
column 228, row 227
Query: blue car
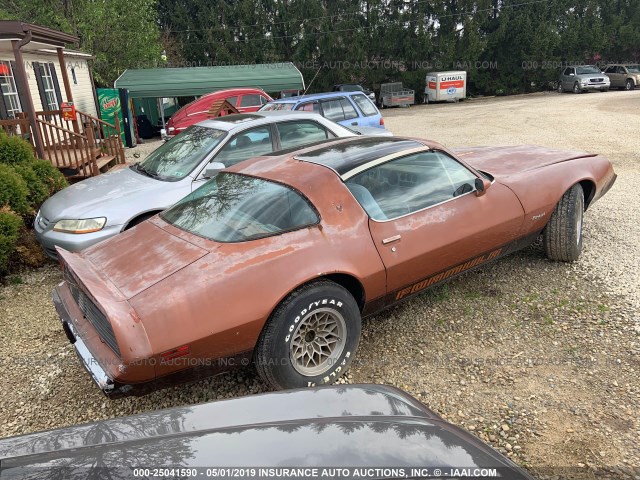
column 346, row 108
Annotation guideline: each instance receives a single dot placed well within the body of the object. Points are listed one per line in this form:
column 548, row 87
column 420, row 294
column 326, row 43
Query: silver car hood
column 116, row 195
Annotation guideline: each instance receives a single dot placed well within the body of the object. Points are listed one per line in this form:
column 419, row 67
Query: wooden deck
column 80, row 148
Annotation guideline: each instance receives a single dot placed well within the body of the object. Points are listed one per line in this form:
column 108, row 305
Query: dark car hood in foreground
column 339, row 426
column 515, row 159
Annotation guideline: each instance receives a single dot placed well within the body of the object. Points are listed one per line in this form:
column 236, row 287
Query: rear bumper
column 90, row 364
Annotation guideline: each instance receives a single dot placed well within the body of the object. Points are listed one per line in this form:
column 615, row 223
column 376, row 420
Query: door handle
column 354, row 123
column 389, row 240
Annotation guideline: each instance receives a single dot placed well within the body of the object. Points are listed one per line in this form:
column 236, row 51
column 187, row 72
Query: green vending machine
column 115, row 101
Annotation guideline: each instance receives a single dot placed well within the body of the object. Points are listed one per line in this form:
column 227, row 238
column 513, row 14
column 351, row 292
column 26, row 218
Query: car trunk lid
column 134, row 266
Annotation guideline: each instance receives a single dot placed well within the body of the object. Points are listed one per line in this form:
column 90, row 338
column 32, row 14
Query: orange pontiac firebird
column 278, row 258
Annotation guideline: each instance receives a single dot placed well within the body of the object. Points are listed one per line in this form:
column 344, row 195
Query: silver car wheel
column 576, row 88
column 560, row 89
column 318, row 342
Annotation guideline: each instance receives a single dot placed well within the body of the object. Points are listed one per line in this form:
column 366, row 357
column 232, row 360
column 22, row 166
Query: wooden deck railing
column 106, row 136
column 69, row 150
column 16, row 126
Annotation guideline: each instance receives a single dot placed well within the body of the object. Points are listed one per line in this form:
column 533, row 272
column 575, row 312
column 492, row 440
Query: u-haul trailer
column 445, row 86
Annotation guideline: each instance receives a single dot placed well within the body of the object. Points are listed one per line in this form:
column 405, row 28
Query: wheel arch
column 131, row 222
column 589, row 190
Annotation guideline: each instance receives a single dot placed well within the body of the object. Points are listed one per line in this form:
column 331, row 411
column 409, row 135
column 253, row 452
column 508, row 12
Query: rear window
column 236, row 208
column 270, row 107
column 365, row 105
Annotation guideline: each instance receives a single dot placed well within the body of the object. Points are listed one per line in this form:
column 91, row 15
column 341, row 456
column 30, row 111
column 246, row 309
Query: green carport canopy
column 196, row 81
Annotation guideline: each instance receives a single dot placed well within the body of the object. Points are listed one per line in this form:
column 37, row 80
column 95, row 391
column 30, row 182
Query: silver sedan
column 100, row 207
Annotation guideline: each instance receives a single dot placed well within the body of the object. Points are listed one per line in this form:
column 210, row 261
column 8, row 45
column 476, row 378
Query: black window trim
column 435, row 150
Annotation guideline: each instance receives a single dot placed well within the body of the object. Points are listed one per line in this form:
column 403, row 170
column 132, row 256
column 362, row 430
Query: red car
column 244, row 99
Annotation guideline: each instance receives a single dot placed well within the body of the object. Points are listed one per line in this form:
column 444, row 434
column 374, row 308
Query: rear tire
column 560, row 88
column 563, row 234
column 311, row 337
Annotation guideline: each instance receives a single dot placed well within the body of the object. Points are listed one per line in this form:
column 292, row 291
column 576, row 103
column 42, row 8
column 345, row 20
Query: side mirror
column 481, row 185
column 212, row 169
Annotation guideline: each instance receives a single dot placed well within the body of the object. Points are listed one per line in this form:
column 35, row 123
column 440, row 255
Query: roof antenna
column 311, row 82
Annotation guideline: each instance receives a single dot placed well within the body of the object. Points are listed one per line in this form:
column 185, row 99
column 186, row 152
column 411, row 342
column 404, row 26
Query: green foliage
column 120, row 34
column 14, row 192
column 50, row 175
column 10, row 225
column 14, row 150
column 39, row 177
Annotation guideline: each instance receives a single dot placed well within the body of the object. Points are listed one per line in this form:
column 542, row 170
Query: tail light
column 382, row 121
column 175, row 353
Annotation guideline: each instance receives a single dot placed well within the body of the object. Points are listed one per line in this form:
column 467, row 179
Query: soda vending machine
column 116, row 102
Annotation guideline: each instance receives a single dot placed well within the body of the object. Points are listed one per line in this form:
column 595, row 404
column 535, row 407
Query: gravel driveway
column 540, row 359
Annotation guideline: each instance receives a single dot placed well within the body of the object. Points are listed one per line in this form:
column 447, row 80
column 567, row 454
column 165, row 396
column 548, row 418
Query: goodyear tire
column 563, row 234
column 311, row 337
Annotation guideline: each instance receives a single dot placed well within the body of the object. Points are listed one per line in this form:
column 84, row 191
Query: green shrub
column 15, row 150
column 10, row 225
column 50, row 175
column 14, row 192
column 38, row 187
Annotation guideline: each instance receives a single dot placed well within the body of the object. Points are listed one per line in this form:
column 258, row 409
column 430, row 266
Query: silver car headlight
column 86, row 225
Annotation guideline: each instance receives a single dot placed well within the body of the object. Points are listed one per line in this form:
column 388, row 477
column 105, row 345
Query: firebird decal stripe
column 380, row 303
column 438, row 277
column 378, row 161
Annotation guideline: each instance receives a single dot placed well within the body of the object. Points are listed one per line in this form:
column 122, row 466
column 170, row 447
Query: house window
column 9, row 90
column 49, row 86
column 73, row 75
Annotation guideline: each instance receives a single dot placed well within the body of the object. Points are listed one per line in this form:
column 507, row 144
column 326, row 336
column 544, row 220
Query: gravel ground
column 539, row 359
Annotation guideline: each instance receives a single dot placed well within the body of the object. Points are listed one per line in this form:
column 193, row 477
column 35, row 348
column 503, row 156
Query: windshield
column 180, row 155
column 269, row 107
column 351, row 88
column 589, row 69
column 235, row 208
column 633, row 68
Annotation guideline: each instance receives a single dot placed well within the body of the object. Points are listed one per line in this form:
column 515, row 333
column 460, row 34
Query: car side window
column 610, row 70
column 309, row 107
column 252, row 100
column 332, row 109
column 263, row 100
column 245, row 145
column 410, row 184
column 297, row 133
column 232, row 100
column 365, row 105
column 347, row 108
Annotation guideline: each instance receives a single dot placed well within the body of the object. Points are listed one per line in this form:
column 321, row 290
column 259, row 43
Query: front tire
column 629, row 85
column 576, row 88
column 311, row 337
column 563, row 234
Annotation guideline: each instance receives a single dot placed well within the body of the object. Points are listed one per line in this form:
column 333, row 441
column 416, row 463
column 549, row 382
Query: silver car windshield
column 179, row 156
column 234, row 208
column 588, row 70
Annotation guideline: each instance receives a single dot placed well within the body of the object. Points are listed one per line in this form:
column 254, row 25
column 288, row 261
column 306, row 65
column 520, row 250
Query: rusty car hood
column 502, row 161
column 141, row 257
